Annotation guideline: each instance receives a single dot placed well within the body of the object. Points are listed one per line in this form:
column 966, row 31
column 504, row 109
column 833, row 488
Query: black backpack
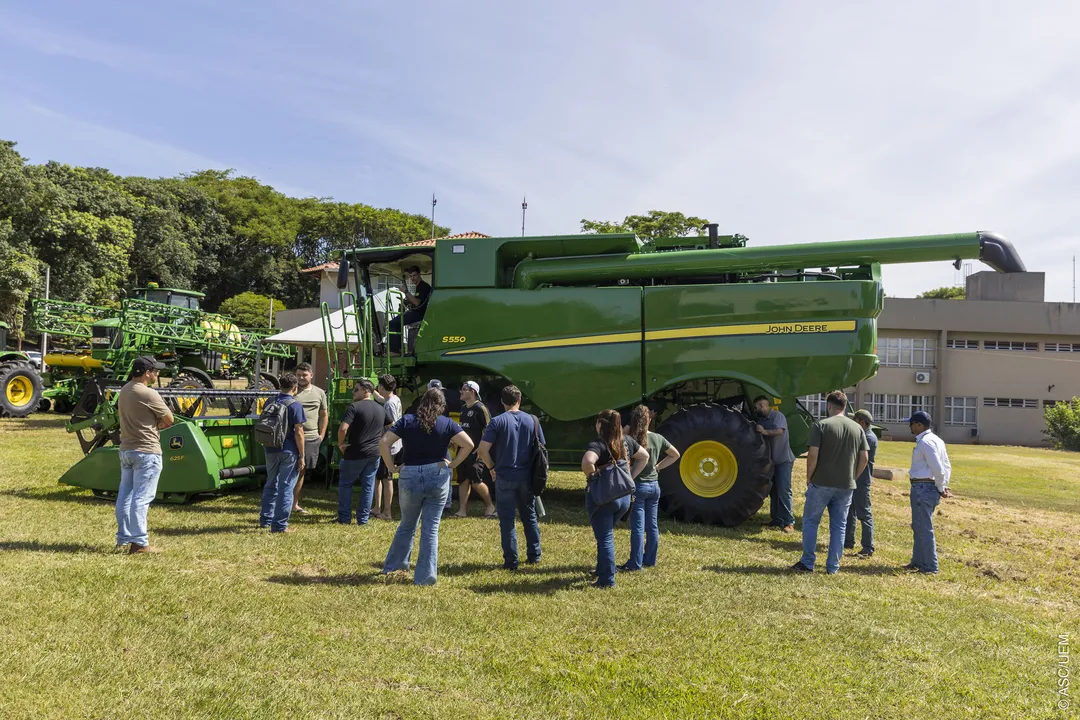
column 538, row 462
column 273, row 425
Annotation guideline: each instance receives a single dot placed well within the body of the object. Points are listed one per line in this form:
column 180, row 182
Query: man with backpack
column 507, row 448
column 281, row 431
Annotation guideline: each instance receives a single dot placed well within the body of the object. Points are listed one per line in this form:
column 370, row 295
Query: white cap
column 434, row 385
column 472, row 386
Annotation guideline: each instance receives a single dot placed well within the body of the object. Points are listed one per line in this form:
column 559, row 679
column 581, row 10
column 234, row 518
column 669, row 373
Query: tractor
column 20, row 383
column 693, row 327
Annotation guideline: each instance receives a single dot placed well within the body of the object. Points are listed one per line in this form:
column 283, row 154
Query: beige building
column 985, row 367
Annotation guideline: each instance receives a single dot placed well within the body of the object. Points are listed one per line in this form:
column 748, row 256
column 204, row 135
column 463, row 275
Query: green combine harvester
column 20, row 384
column 694, row 327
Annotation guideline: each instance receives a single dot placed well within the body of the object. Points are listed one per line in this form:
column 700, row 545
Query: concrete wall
column 1011, row 287
column 1033, row 375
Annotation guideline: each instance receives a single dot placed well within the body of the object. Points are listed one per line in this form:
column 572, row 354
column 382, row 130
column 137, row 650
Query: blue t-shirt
column 871, row 440
column 296, row 417
column 421, row 448
column 511, row 438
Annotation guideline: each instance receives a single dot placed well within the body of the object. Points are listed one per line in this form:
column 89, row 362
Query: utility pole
column 45, row 336
column 433, row 201
column 524, row 207
column 1074, row 278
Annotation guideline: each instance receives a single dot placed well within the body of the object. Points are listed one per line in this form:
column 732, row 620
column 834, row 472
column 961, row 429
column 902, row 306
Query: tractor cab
column 3, row 335
column 377, row 280
column 187, row 299
column 105, row 335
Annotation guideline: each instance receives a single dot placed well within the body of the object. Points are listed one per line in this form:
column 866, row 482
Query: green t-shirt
column 657, row 445
column 839, row 440
column 312, row 399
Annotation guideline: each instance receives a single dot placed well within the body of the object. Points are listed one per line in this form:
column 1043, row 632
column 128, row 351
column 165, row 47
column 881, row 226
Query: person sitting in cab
column 417, row 294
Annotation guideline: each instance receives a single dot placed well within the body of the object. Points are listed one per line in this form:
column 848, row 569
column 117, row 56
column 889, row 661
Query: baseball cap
column 472, row 386
column 920, row 417
column 864, row 415
column 142, row 364
column 434, row 385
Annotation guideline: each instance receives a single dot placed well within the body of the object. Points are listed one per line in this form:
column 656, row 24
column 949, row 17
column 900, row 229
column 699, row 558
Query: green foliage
column 18, row 277
column 656, row 224
column 943, row 293
column 250, row 310
column 104, row 235
column 1063, row 425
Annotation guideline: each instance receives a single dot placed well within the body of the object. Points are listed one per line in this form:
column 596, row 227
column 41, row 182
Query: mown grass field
column 231, row 622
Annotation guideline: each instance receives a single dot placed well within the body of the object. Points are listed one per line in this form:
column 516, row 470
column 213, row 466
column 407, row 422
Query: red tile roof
column 332, row 266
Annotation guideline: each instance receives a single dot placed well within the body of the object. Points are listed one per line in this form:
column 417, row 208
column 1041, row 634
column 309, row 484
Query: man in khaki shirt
column 313, row 399
column 143, row 415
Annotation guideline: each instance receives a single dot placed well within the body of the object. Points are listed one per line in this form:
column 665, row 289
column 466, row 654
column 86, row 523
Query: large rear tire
column 725, row 472
column 20, row 389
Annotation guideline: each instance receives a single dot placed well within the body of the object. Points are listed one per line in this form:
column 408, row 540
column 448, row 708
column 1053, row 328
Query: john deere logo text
column 176, row 442
column 788, row 328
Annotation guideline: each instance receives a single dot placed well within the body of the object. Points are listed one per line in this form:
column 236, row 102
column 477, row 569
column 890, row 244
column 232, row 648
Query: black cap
column 920, row 417
column 142, row 364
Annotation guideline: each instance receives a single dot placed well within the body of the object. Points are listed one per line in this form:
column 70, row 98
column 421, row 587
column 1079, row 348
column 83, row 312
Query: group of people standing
column 839, row 468
column 377, row 441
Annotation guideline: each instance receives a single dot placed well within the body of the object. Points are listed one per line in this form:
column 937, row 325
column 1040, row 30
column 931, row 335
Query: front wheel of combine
column 725, row 472
column 20, row 389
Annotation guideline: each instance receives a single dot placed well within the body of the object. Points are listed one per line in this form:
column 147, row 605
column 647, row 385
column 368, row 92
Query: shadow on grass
column 34, row 546
column 37, row 421
column 72, row 495
column 773, row 570
column 527, row 580
column 215, row 530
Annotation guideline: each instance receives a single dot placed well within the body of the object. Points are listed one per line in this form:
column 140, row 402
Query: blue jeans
column 277, row 497
column 644, row 529
column 349, row 471
column 515, row 497
column 422, row 491
column 780, row 513
column 860, row 510
column 603, row 519
column 139, row 473
column 924, row 500
column 837, row 500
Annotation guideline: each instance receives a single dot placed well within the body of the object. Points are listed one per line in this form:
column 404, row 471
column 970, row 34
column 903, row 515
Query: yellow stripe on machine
column 792, row 328
column 561, row 342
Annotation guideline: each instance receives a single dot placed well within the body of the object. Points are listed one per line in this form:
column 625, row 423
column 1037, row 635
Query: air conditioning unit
column 974, row 432
column 922, row 377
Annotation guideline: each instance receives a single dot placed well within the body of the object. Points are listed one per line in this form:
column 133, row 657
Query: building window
column 889, row 408
column 960, row 410
column 1062, row 347
column 1010, row 345
column 907, row 352
column 1010, row 403
column 815, row 404
column 962, row 344
column 1050, row 403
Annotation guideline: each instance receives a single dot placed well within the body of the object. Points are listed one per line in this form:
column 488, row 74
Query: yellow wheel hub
column 708, row 468
column 19, row 391
column 189, row 405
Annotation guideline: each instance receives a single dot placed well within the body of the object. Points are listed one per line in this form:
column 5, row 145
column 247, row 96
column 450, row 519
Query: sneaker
column 865, row 554
column 509, row 567
column 800, row 568
column 532, row 561
column 625, row 567
column 910, row 567
column 788, row 529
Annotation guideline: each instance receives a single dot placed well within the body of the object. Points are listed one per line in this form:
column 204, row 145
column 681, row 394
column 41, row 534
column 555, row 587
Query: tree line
column 102, row 235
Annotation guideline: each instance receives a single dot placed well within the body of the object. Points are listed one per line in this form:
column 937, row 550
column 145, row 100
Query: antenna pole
column 525, row 206
column 433, row 201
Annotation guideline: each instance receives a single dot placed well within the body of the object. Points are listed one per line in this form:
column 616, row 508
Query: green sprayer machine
column 694, row 327
column 210, row 447
column 167, row 323
column 20, row 384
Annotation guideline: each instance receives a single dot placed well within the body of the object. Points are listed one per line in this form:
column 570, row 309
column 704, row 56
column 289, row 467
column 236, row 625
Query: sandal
column 493, row 514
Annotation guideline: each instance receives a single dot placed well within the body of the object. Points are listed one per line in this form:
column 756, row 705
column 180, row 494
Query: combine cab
column 693, row 327
column 20, row 384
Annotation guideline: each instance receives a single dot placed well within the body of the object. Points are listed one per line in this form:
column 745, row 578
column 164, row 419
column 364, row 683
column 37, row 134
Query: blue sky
column 786, row 122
